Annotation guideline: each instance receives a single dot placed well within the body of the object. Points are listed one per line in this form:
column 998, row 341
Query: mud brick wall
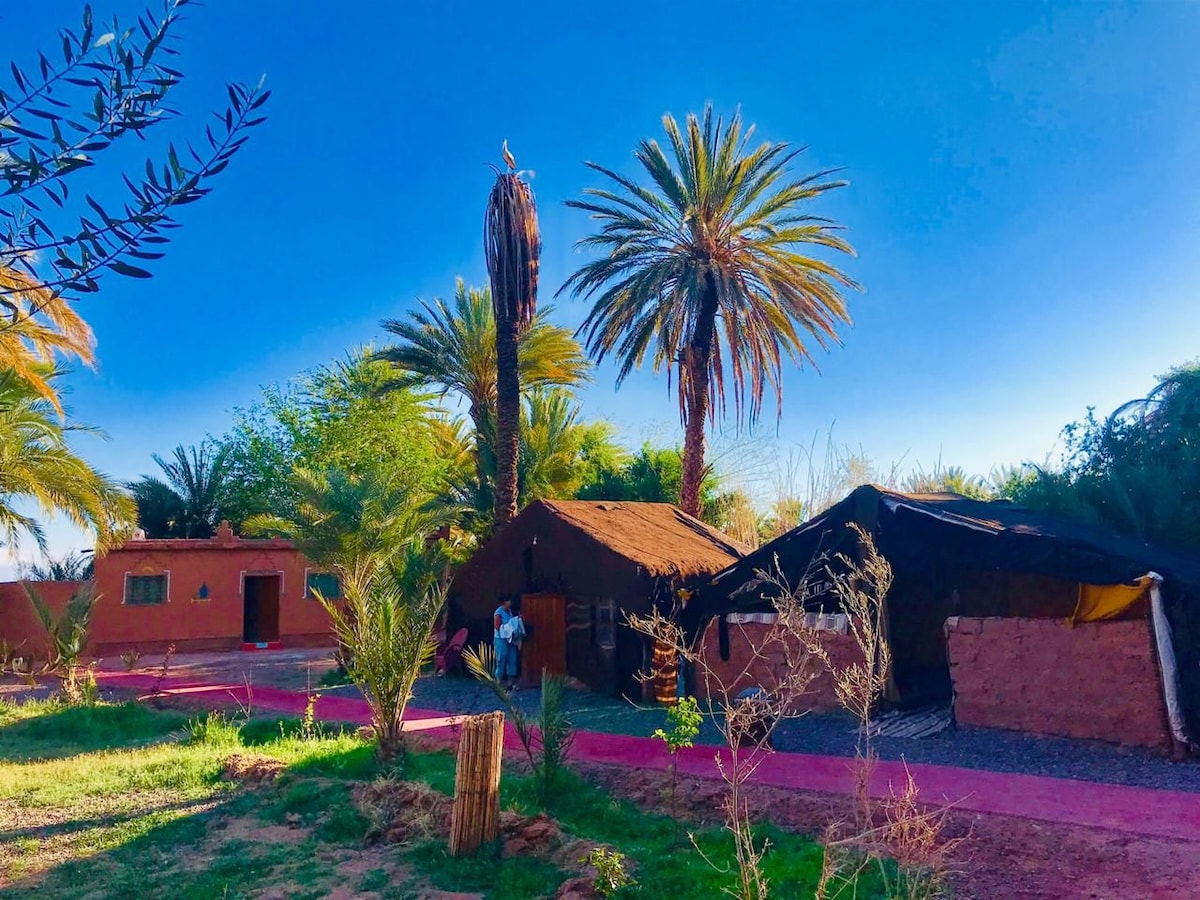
column 1096, row 680
column 743, row 671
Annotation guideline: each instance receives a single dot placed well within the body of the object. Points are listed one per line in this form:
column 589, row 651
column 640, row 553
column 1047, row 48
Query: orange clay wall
column 186, row 619
column 743, row 670
column 1096, row 680
column 19, row 625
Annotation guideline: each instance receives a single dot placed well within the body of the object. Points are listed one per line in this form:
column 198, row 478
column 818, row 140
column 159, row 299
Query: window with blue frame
column 327, row 584
column 145, row 590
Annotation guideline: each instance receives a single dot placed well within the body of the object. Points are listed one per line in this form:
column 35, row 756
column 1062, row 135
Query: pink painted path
column 1157, row 813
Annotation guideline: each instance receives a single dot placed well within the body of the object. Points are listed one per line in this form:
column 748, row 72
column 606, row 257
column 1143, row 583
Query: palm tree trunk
column 508, row 420
column 485, row 456
column 694, row 379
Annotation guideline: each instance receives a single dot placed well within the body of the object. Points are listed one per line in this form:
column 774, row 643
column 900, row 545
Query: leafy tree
column 347, row 417
column 261, row 457
column 1137, row 471
column 511, row 245
column 37, row 464
column 653, row 475
column 73, row 566
column 113, row 83
column 342, row 519
column 189, row 500
column 708, row 270
column 452, row 349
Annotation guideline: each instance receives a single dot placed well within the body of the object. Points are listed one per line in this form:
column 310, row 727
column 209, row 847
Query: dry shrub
column 403, row 811
column 898, row 827
column 251, row 768
column 748, row 723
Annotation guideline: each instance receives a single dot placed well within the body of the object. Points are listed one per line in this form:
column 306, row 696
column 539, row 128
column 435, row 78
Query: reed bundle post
column 475, row 819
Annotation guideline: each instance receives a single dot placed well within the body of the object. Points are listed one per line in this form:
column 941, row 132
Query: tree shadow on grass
column 197, row 854
column 72, row 730
column 113, row 819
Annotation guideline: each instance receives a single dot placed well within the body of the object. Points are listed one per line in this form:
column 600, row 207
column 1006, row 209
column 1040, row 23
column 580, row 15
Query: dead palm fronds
column 512, row 246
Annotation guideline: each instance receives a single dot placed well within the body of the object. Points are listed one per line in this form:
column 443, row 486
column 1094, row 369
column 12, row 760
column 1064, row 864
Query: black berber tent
column 931, row 539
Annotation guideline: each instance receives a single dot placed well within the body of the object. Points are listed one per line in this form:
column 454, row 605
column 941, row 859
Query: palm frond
column 717, row 218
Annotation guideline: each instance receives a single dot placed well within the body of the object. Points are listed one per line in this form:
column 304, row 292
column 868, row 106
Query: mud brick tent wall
column 973, row 563
column 749, row 662
column 212, row 594
column 578, row 566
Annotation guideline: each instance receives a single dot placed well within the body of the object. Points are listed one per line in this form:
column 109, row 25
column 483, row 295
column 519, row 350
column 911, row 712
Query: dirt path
column 1001, row 858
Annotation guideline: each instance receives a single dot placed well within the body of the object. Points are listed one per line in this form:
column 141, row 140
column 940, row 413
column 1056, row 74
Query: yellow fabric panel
column 1107, row 601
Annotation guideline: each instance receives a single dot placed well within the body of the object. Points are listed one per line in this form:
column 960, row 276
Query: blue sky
column 1023, row 198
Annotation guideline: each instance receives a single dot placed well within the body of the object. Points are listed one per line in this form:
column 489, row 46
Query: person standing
column 506, row 655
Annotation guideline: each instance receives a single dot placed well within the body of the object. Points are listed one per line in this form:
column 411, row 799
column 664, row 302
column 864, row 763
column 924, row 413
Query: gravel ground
column 998, row 751
column 829, row 734
column 833, row 734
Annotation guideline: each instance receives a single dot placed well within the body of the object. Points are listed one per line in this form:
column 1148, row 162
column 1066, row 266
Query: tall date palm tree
column 709, row 270
column 511, row 245
column 451, row 346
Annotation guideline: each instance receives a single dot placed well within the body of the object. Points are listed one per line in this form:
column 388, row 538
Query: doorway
column 545, row 618
column 260, row 615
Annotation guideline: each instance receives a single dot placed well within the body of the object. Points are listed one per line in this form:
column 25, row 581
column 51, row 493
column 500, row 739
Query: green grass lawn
column 125, row 801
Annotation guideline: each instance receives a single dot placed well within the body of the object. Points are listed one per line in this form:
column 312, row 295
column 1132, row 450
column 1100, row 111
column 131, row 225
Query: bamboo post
column 475, row 818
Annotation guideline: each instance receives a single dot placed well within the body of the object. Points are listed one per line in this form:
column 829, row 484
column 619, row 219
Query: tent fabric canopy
column 1098, row 602
column 928, row 534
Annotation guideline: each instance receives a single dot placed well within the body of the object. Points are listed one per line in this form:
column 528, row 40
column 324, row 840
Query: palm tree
column 72, row 566
column 377, row 532
column 189, row 500
column 38, row 465
column 511, row 245
column 708, row 269
column 160, row 511
column 948, row 479
column 350, row 521
column 552, row 439
column 452, row 348
column 36, row 327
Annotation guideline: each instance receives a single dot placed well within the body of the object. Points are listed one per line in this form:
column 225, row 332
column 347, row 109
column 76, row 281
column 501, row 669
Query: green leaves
column 385, row 627
column 683, row 725
column 57, row 123
column 703, row 257
column 123, row 268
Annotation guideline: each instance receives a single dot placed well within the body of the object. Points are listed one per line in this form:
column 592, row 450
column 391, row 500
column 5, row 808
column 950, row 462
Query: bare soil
column 1000, row 858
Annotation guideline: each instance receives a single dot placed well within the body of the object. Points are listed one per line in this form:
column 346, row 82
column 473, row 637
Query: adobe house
column 578, row 566
column 221, row 593
column 1019, row 619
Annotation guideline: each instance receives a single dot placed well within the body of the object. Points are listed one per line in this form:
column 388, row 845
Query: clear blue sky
column 1024, row 198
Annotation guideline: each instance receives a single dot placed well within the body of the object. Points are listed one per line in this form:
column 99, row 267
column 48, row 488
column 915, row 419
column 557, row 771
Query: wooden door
column 260, row 616
column 545, row 618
